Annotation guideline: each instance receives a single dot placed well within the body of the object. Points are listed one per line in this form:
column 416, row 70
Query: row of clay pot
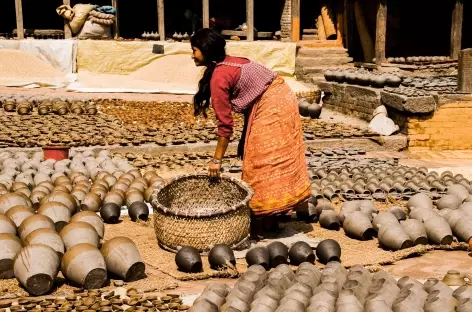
column 307, row 109
column 220, row 257
column 332, row 289
column 45, row 107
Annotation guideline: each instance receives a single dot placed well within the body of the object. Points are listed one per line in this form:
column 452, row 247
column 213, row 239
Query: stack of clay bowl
column 9, row 105
column 332, row 289
column 24, row 108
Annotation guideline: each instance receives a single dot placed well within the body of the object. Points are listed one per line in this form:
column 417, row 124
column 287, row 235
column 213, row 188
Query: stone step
column 320, row 52
column 310, row 31
column 321, row 61
column 321, row 44
column 310, row 37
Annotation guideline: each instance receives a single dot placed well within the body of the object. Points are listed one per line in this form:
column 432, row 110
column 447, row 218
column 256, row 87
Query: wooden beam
column 381, row 32
column 456, row 29
column 295, row 20
column 114, row 3
column 206, row 13
column 19, row 19
column 67, row 30
column 346, row 23
column 161, row 19
column 250, row 19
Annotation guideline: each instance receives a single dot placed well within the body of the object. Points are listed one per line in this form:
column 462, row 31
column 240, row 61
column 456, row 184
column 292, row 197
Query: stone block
column 413, row 105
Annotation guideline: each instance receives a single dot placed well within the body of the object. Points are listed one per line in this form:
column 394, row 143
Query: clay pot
column 37, row 276
column 456, row 189
column 440, row 304
column 329, row 220
column 91, row 202
column 420, row 200
column 46, row 237
column 307, row 212
column 10, row 200
column 438, row 231
column 464, row 305
column 448, row 202
column 303, row 107
column 221, row 256
column 398, row 212
column 384, row 219
column 393, row 81
column 314, row 111
column 358, row 225
column 211, row 297
column 138, row 211
column 57, row 212
column 36, row 197
column 463, row 229
column 394, row 237
column 379, row 81
column 258, row 255
column 10, row 246
column 422, row 214
column 91, row 218
column 377, row 306
column 19, row 213
column 33, row 223
column 188, row 260
column 110, row 213
column 416, row 231
column 453, row 217
column 278, row 253
column 433, row 284
column 114, row 197
column 62, row 197
column 84, row 265
column 203, row 305
column 122, row 258
column 301, row 252
column 133, row 197
column 463, row 292
column 79, row 233
column 328, row 250
column 329, row 75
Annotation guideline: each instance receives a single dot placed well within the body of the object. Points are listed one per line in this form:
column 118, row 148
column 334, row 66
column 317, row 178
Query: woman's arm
column 222, row 145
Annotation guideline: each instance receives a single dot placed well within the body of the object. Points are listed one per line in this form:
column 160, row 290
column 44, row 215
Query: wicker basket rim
column 244, row 203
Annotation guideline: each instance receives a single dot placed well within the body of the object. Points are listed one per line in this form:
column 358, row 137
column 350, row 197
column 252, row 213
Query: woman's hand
column 214, row 170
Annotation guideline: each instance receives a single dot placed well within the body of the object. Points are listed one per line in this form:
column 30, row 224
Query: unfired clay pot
column 79, row 233
column 123, row 259
column 47, row 237
column 10, row 246
column 91, row 218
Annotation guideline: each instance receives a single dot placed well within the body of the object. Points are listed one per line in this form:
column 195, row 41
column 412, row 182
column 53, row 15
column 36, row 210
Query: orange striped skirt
column 274, row 162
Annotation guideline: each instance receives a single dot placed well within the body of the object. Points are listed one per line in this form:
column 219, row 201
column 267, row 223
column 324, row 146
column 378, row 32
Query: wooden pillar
column 381, row 32
column 161, row 19
column 295, row 20
column 19, row 19
column 346, row 24
column 114, row 3
column 67, row 30
column 206, row 13
column 456, row 29
column 250, row 19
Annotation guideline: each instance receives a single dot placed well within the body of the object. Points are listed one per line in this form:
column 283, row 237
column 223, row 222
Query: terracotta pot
column 314, row 111
column 79, row 233
column 329, row 220
column 10, row 200
column 301, row 252
column 420, row 200
column 322, row 301
column 37, row 276
column 203, row 305
column 398, row 212
column 221, row 256
column 328, row 250
column 110, row 213
column 303, row 108
column 123, row 259
column 138, row 211
column 408, row 302
column 453, row 217
column 114, row 197
column 10, row 246
column 211, row 297
column 463, row 229
column 258, row 255
column 57, row 212
column 459, row 190
column 463, row 292
column 91, row 218
column 79, row 195
column 33, row 223
column 84, row 265
column 422, row 214
column 287, row 271
column 416, row 231
column 133, row 197
column 464, row 305
column 62, row 197
column 394, row 237
column 91, row 202
column 384, row 219
column 188, row 260
column 449, row 202
column 440, row 304
column 438, row 231
column 19, row 213
column 278, row 253
column 36, row 197
column 358, row 225
column 433, row 284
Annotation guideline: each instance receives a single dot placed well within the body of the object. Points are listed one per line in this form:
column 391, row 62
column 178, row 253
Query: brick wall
column 449, row 128
column 286, row 21
column 350, row 100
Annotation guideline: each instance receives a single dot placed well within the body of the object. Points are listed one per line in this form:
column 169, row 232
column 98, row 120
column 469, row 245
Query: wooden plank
column 114, row 3
column 350, row 24
column 206, row 13
column 381, row 32
column 340, row 28
column 250, row 19
column 161, row 19
column 19, row 19
column 295, row 20
column 67, row 30
column 456, row 29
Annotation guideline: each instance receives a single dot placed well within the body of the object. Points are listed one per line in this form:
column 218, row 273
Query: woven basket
column 190, row 210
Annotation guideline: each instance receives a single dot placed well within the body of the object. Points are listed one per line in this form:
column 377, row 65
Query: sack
column 95, row 31
column 66, row 12
column 99, row 15
column 81, row 12
column 383, row 125
column 101, row 21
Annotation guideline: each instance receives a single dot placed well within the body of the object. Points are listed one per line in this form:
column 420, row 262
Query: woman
column 271, row 145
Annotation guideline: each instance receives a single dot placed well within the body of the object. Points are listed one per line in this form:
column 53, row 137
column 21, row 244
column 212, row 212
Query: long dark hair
column 212, row 45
